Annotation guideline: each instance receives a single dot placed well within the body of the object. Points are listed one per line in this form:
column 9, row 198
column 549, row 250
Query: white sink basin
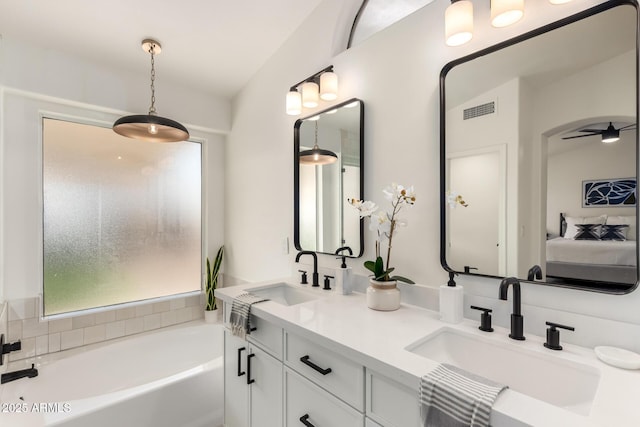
column 566, row 384
column 283, row 293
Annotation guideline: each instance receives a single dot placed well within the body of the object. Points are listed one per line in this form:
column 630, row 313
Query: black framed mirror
column 530, row 173
column 321, row 188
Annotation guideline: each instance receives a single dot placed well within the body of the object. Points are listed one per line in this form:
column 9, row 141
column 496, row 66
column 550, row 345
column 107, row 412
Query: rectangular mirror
column 328, row 170
column 539, row 141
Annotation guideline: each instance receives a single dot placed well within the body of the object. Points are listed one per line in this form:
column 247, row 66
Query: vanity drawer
column 318, row 408
column 266, row 335
column 391, row 403
column 338, row 375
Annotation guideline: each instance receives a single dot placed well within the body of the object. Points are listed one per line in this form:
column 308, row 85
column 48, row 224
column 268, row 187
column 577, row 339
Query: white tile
column 183, row 314
column 60, row 325
column 105, row 317
column 133, row 326
column 192, row 300
column 115, row 329
column 80, row 322
column 152, row 321
column 126, row 313
column 33, row 327
column 94, row 334
column 168, row 318
column 177, row 303
column 161, row 307
column 15, row 330
column 54, row 342
column 22, row 309
column 70, row 339
column 144, row 310
column 28, row 349
column 42, row 345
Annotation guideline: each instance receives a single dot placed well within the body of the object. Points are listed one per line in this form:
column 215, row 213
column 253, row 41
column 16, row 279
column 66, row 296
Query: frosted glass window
column 122, row 217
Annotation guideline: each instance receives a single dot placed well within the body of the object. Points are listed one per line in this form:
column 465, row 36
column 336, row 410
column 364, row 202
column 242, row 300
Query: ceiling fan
column 609, row 135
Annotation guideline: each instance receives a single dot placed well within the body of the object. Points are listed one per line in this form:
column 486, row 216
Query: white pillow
column 572, row 230
column 629, row 220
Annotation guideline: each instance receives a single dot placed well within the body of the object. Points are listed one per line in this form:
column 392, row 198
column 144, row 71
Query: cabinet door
column 236, row 390
column 266, row 389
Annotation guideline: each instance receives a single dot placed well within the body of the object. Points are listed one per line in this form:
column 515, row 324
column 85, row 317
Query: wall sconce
column 458, row 18
column 321, row 85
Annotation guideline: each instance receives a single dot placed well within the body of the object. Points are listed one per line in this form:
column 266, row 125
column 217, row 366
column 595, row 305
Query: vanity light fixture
column 458, row 22
column 151, row 127
column 506, row 12
column 317, row 156
column 307, row 93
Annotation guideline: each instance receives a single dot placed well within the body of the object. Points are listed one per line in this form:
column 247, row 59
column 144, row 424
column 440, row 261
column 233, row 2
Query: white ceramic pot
column 383, row 296
column 211, row 316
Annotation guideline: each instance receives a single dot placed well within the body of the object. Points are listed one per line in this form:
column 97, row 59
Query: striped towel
column 453, row 397
column 240, row 318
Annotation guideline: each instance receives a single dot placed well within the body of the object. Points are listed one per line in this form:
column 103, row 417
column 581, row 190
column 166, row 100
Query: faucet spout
column 315, row 265
column 16, row 375
column 535, row 272
column 517, row 321
column 342, row 249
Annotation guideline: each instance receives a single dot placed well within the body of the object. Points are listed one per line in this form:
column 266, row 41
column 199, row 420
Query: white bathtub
column 172, row 378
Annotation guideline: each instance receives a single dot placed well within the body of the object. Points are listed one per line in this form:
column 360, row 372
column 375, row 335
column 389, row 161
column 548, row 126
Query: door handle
column 306, row 361
column 304, row 420
column 240, row 350
column 249, row 379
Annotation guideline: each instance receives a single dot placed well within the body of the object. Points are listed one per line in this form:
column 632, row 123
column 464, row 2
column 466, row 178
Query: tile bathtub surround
column 40, row 337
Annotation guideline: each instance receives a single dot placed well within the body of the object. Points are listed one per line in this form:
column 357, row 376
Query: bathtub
column 168, row 378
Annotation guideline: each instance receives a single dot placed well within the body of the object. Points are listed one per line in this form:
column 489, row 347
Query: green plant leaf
column 403, row 279
column 379, row 267
column 371, row 266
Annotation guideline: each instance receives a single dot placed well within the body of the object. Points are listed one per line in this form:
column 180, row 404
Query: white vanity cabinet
column 253, row 377
column 390, row 403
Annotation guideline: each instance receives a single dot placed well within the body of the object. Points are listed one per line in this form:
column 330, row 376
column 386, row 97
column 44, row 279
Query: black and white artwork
column 616, row 192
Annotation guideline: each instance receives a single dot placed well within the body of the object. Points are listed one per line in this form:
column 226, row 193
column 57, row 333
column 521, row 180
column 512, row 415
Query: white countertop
column 378, row 339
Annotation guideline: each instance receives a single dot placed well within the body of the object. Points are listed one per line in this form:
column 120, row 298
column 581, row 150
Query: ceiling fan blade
column 628, row 127
column 580, row 136
column 594, row 131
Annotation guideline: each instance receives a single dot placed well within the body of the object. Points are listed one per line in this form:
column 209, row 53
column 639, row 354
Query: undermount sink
column 283, row 293
column 566, row 384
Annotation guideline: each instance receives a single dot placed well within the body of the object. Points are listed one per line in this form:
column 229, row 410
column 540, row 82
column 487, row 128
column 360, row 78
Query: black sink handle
column 306, row 361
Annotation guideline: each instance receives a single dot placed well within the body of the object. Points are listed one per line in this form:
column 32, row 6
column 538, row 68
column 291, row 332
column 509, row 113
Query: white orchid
column 385, row 224
column 454, row 199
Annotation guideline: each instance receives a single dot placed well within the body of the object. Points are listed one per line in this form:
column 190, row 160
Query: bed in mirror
column 328, row 170
column 539, row 153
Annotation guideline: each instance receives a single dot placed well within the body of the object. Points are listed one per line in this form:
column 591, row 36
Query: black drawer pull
column 306, row 361
column 303, row 420
column 240, row 350
column 249, row 379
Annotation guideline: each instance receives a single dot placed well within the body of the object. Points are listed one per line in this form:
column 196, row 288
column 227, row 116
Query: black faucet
column 315, row 265
column 517, row 321
column 344, row 258
column 16, row 375
column 535, row 272
column 8, row 348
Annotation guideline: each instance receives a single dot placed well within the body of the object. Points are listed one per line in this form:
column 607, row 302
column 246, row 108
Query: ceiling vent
column 479, row 110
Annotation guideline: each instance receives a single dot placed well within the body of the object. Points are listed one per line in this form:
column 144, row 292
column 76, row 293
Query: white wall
column 36, row 81
column 396, row 73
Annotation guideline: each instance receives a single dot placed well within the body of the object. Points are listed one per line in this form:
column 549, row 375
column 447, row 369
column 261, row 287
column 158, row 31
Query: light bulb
column 310, row 94
column 329, row 86
column 153, row 129
column 506, row 12
column 294, row 103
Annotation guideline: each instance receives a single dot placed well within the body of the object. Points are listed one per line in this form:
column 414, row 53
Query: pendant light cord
column 152, row 109
column 315, row 139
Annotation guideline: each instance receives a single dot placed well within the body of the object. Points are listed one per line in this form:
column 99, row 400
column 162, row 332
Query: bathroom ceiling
column 215, row 45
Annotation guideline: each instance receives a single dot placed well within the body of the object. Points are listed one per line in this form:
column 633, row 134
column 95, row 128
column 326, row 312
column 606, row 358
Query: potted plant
column 383, row 294
column 211, row 313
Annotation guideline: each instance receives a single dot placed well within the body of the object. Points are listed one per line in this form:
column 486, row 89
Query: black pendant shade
column 150, row 128
column 317, row 156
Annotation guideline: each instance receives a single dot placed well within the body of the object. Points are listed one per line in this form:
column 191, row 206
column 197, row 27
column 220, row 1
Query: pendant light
column 151, row 127
column 317, row 156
